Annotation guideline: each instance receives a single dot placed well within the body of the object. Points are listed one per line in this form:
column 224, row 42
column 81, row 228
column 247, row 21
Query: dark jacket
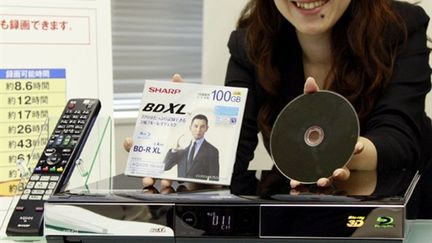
column 205, row 165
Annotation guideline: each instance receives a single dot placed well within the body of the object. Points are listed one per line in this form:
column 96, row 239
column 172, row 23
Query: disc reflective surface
column 314, row 135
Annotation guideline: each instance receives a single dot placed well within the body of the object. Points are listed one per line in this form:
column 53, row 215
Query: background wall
column 427, row 5
column 219, row 20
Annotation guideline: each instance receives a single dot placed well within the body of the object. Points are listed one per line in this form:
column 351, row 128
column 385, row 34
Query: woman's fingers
column 177, row 78
column 310, row 86
column 294, row 183
column 166, row 183
column 324, row 182
column 358, row 148
column 127, row 144
column 341, row 174
column 148, row 181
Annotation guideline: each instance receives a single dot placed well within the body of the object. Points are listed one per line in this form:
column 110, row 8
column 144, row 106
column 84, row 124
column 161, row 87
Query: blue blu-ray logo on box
column 144, row 135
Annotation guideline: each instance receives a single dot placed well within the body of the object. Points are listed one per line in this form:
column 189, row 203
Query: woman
column 373, row 53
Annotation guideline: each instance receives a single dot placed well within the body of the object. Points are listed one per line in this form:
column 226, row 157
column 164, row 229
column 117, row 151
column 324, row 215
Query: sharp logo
column 163, row 90
column 158, row 230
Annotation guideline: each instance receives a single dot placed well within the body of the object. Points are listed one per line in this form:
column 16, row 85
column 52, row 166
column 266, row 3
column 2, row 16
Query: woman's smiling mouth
column 310, row 5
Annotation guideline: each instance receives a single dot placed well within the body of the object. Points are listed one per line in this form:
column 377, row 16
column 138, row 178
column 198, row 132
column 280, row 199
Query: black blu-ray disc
column 313, row 135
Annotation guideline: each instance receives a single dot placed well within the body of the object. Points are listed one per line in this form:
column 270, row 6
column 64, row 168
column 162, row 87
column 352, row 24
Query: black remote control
column 54, row 167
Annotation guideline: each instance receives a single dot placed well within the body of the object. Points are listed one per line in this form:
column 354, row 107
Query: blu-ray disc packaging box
column 187, row 132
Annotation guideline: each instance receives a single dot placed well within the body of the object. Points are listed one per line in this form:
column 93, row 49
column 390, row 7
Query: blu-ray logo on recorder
column 163, row 90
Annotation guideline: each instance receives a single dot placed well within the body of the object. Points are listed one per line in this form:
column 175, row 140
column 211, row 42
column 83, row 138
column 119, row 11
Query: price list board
column 28, row 99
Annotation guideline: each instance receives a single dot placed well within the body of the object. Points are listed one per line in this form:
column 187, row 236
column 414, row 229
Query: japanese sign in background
column 28, row 99
column 50, row 51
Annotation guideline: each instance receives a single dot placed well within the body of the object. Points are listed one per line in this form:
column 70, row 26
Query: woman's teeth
column 310, row 5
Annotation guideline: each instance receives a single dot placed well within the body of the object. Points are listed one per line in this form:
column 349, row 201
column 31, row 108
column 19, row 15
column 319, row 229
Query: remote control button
column 52, row 185
column 35, row 177
column 71, row 105
column 189, row 218
column 30, row 184
column 66, row 131
column 41, row 185
column 44, row 178
column 49, row 151
column 39, row 209
column 53, row 159
column 38, row 169
column 19, row 208
column 35, row 197
column 24, row 197
column 38, row 192
column 59, row 140
column 66, row 150
column 66, row 141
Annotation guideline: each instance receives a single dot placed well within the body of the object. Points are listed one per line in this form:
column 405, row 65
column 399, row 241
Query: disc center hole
column 314, row 136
